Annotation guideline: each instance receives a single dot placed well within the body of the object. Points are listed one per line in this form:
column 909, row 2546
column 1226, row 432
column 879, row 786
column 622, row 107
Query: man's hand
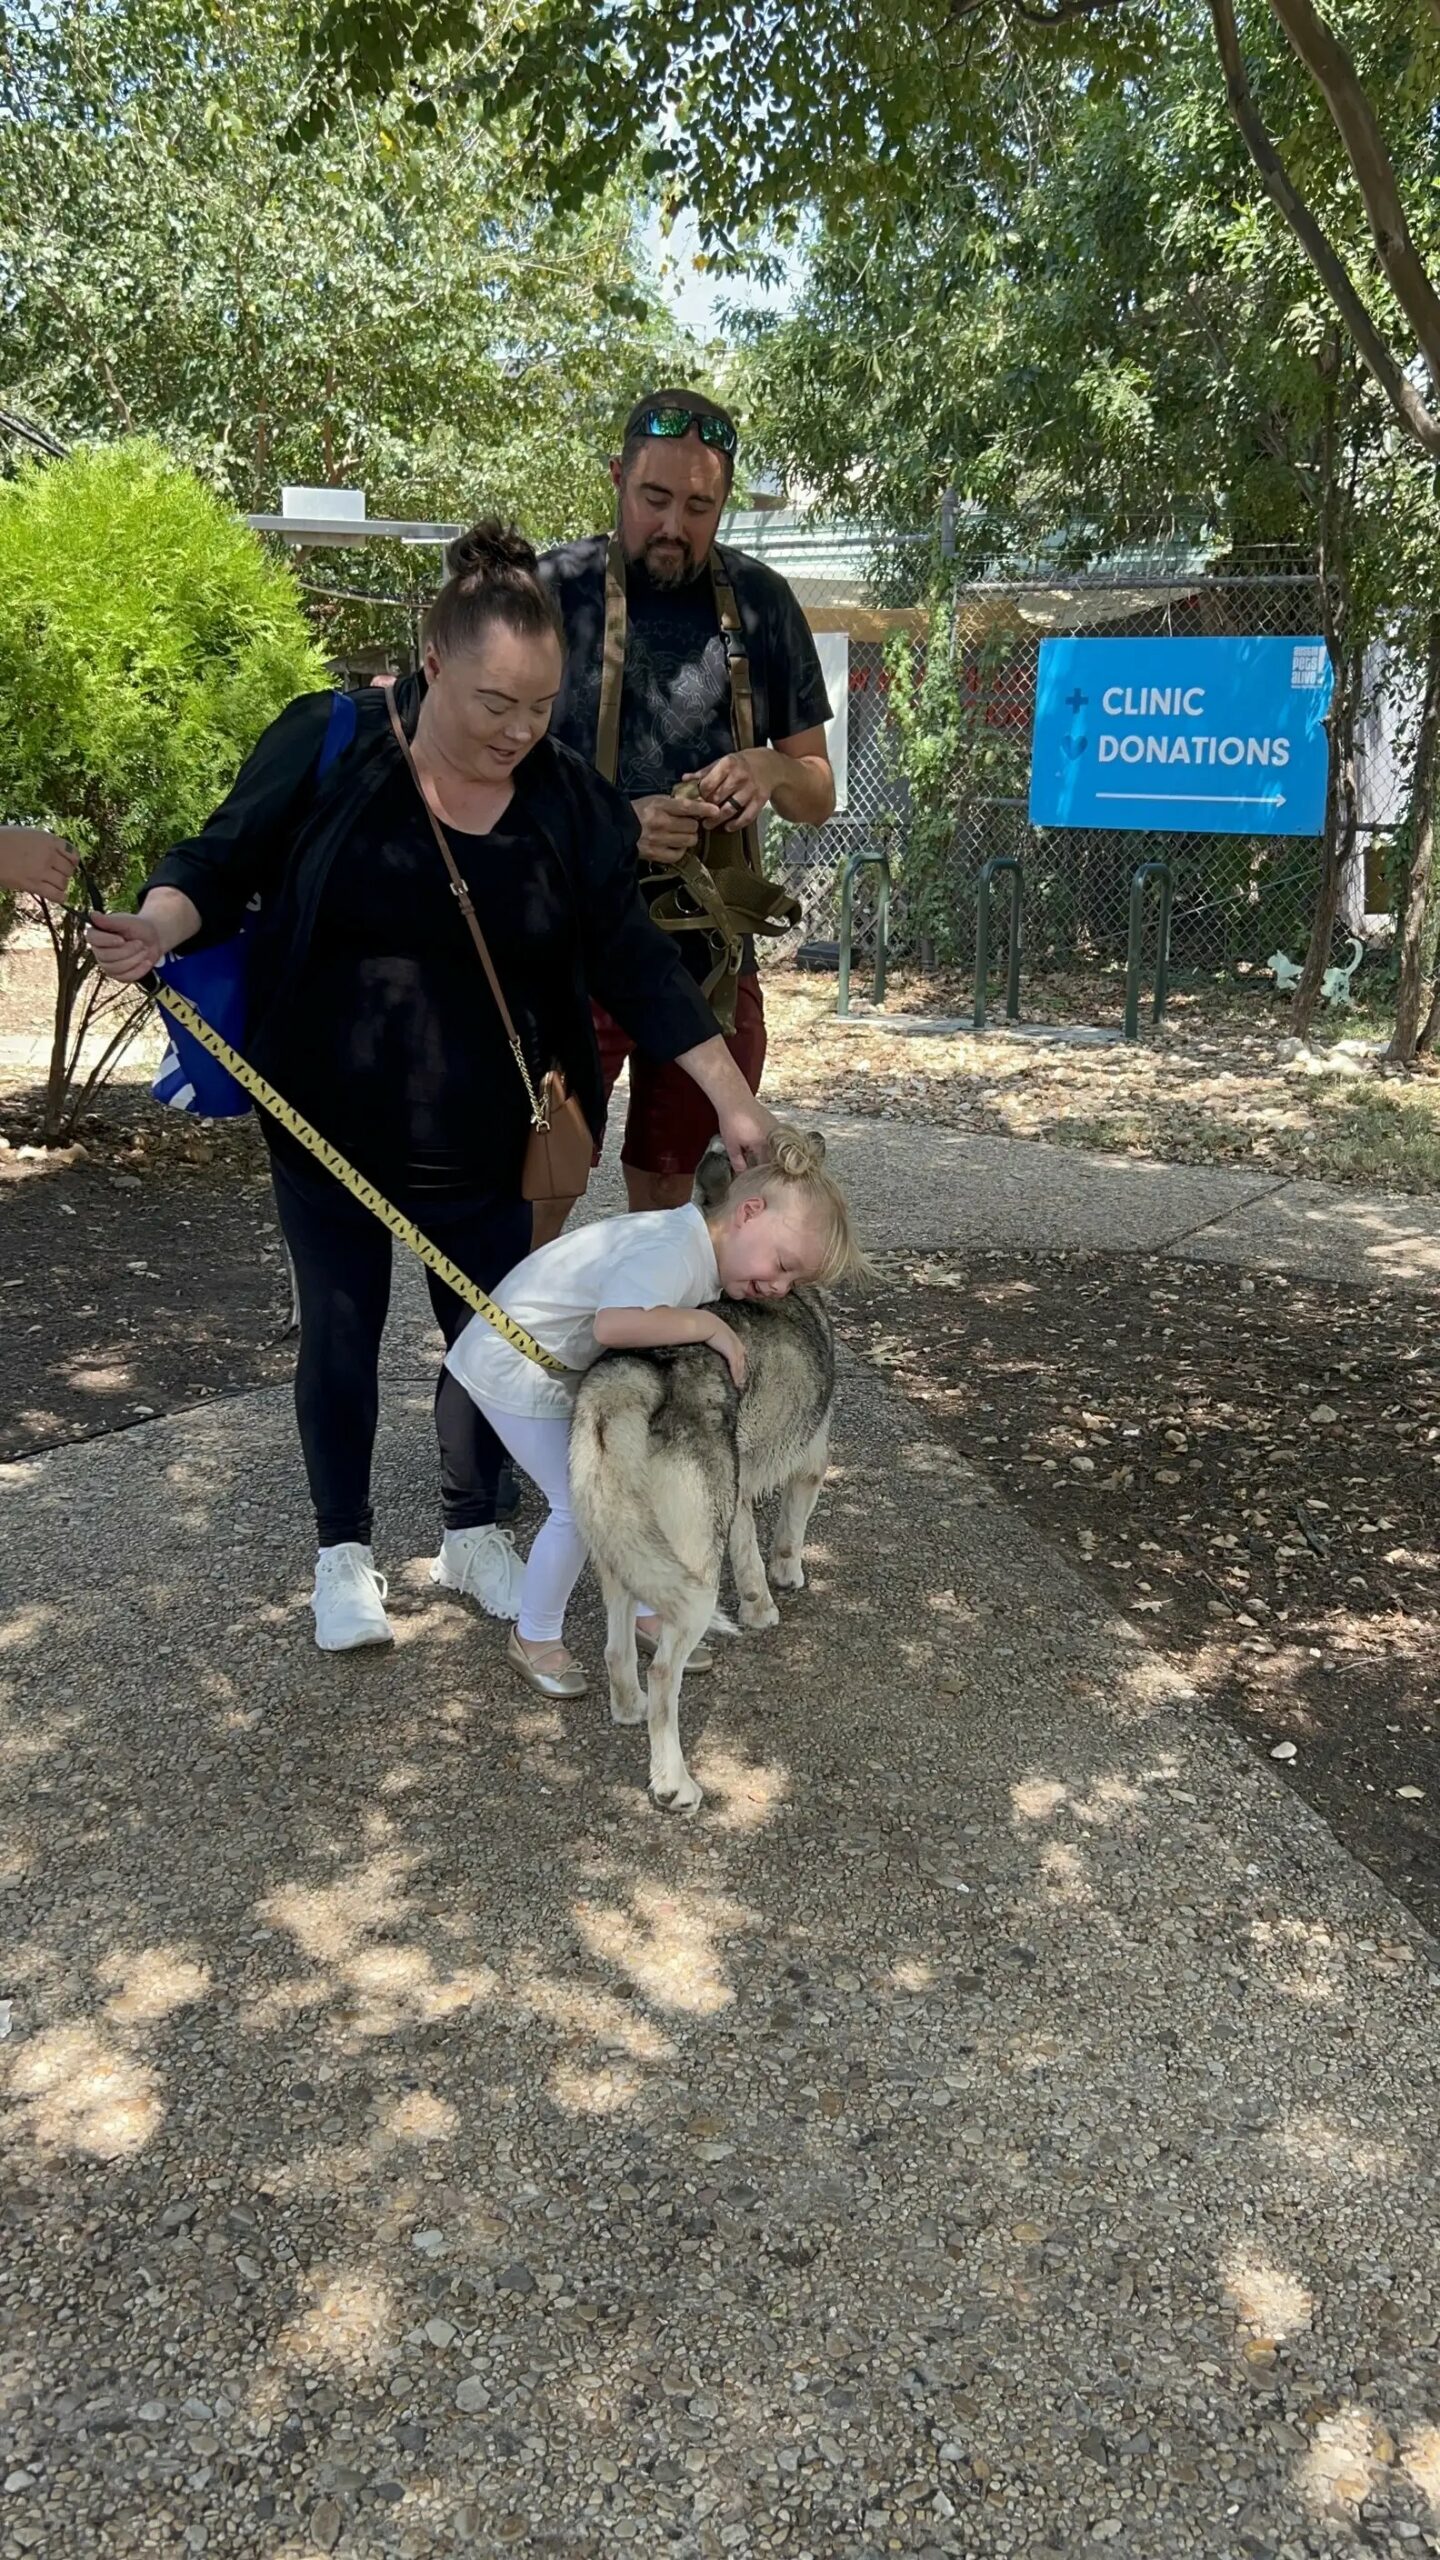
column 126, row 947
column 38, row 863
column 745, row 1129
column 738, row 786
column 669, row 828
column 727, row 1342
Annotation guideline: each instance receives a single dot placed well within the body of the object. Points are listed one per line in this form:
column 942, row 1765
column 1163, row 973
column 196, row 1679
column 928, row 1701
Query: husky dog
column 666, row 1461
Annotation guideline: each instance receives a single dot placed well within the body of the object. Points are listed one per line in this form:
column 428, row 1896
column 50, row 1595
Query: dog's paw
column 627, row 1710
column 787, row 1573
column 680, row 1795
column 759, row 1613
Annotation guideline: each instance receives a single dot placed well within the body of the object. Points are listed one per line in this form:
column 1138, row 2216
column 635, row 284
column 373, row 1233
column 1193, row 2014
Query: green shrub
column 146, row 639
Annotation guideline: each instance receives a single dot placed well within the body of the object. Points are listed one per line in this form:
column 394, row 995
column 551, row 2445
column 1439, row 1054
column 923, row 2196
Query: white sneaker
column 481, row 1564
column 349, row 1600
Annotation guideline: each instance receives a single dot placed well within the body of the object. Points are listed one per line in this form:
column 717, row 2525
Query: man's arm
column 793, row 777
column 803, row 788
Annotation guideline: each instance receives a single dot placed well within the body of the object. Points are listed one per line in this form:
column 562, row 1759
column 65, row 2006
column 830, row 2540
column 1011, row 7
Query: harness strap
column 737, row 667
column 727, row 885
column 612, row 664
column 612, row 684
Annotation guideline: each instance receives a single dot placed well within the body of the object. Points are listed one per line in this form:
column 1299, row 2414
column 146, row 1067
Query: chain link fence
column 1237, row 898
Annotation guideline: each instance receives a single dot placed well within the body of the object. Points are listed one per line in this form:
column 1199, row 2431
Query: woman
column 371, row 1014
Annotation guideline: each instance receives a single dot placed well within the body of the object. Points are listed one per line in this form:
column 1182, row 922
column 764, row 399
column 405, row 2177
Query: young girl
column 629, row 1284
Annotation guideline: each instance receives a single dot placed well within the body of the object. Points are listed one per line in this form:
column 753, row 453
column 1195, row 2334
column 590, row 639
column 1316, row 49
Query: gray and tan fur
column 666, row 1463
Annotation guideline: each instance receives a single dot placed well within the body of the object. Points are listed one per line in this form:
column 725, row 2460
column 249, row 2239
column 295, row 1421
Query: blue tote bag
column 216, row 983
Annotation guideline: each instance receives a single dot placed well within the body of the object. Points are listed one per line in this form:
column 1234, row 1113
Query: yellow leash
column 183, row 1012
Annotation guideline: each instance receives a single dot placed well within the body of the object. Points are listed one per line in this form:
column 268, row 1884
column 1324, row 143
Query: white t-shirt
column 663, row 1258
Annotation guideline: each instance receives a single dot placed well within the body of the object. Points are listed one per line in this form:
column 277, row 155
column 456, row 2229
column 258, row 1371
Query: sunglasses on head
column 717, row 432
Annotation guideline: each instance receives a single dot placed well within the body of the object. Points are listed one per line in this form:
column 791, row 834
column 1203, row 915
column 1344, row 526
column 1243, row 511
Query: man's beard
column 676, row 565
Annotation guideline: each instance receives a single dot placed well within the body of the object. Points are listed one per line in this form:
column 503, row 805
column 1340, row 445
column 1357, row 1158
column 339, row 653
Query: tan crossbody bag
column 559, row 1147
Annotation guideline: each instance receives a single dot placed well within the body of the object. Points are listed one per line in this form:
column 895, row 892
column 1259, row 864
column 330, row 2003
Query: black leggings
column 341, row 1255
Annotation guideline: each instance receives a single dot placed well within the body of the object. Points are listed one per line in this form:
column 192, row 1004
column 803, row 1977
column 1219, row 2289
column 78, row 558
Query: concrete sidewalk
column 1003, row 2121
column 937, row 1188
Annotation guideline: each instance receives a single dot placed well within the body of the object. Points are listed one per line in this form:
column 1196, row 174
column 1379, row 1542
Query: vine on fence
column 952, row 745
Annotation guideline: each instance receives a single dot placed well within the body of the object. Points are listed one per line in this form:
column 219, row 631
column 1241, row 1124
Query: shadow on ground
column 1003, row 2121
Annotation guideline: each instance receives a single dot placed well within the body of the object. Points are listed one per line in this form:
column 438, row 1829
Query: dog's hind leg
column 671, row 1785
column 757, row 1609
column 627, row 1698
column 792, row 1518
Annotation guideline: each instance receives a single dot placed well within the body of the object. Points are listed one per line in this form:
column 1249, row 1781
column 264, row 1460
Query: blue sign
column 1215, row 737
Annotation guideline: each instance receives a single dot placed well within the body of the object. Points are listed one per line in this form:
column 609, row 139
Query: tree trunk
column 1333, row 72
column 1388, row 366
column 71, row 971
column 1339, row 844
column 1422, row 847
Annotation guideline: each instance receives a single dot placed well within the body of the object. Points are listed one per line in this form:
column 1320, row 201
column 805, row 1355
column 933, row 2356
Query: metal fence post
column 847, row 923
column 1012, row 863
column 1147, row 872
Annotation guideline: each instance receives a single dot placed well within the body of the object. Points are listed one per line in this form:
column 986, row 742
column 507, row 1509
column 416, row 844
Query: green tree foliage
column 1114, row 345
column 789, row 106
column 145, row 641
column 397, row 305
column 865, row 120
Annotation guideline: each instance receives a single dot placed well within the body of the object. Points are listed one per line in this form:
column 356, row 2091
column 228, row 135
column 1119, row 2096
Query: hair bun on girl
column 796, row 1155
column 488, row 550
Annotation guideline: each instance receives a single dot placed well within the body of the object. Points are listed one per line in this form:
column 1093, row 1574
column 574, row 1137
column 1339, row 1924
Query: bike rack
column 1147, row 872
column 847, row 924
column 1012, row 863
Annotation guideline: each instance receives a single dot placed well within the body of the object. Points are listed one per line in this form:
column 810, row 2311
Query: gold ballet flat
column 546, row 1684
column 702, row 1659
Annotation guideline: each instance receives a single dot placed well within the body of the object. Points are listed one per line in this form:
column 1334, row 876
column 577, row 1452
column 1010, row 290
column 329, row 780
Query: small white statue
column 1334, row 986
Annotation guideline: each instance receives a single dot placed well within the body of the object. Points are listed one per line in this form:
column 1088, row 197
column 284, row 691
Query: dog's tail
column 645, row 1508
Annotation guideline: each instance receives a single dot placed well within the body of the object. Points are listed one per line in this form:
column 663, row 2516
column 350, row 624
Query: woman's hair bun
column 489, row 550
column 796, row 1155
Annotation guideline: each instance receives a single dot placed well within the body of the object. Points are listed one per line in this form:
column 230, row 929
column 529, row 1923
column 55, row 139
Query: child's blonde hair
column 795, row 1161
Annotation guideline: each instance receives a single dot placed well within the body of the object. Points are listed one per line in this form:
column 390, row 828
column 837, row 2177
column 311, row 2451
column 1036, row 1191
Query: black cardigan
column 277, row 832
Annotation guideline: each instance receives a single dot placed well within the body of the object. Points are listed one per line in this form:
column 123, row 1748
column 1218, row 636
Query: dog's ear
column 713, row 1176
column 817, row 1141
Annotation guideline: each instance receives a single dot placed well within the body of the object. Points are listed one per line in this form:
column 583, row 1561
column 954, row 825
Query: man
column 38, row 863
column 689, row 664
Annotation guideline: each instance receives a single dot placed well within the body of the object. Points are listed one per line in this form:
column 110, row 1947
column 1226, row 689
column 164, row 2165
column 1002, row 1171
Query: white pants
column 540, row 1443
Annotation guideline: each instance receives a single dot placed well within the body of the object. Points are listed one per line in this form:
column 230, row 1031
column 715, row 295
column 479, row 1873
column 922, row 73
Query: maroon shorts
column 670, row 1123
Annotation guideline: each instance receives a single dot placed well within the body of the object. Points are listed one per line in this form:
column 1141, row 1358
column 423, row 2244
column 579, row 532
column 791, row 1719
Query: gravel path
column 1004, row 2121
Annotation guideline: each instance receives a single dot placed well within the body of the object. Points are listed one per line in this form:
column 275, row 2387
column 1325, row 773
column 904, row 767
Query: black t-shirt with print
column 675, row 706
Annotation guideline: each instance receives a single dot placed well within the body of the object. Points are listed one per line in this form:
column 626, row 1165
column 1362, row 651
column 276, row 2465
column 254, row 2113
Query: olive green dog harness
column 725, row 896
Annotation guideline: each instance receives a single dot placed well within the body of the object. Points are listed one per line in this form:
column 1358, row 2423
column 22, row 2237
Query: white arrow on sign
column 1217, row 799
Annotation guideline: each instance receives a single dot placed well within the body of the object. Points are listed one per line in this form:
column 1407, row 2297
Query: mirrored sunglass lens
column 678, row 422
